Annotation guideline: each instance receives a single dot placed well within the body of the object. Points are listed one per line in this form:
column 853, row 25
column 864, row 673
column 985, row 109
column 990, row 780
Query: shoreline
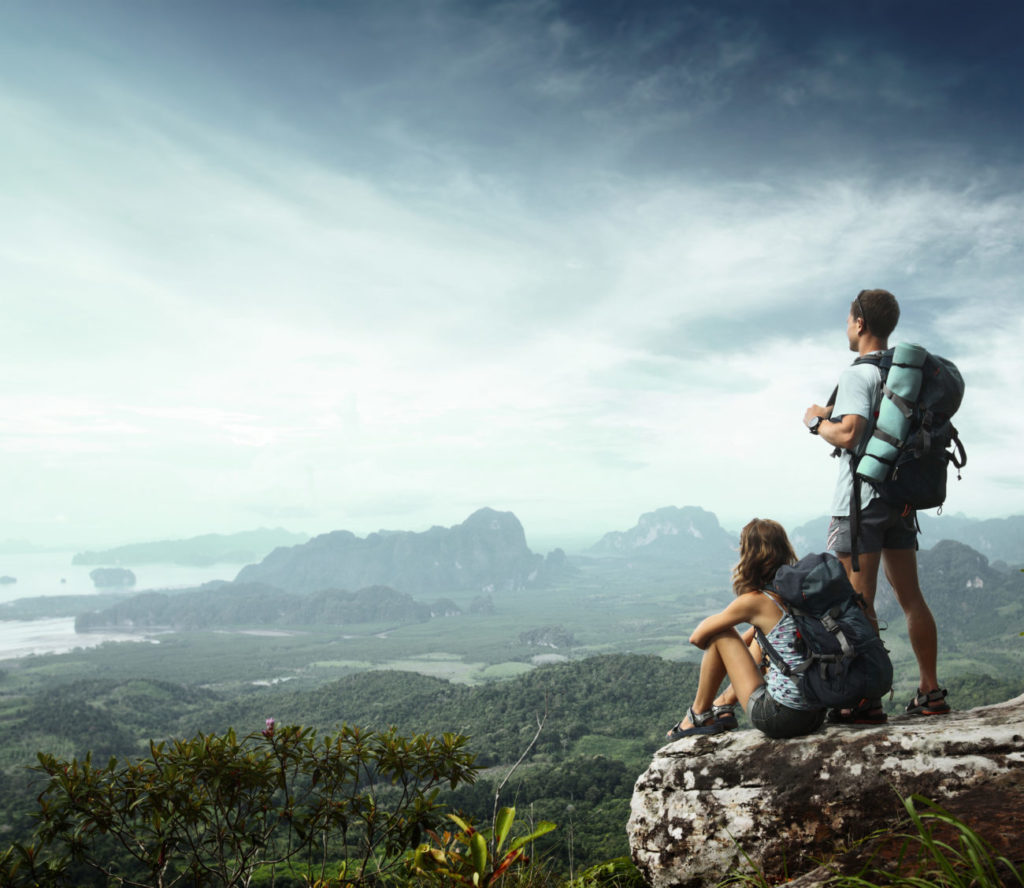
column 55, row 635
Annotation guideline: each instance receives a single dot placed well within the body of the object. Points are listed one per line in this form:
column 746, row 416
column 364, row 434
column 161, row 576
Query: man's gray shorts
column 881, row 527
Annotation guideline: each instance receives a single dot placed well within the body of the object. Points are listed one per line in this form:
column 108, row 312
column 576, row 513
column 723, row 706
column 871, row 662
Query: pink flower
column 268, row 731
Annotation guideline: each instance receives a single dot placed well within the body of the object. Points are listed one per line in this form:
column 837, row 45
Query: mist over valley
column 610, row 595
column 461, row 628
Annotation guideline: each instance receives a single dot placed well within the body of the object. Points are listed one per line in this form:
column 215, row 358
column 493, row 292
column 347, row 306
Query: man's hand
column 816, row 410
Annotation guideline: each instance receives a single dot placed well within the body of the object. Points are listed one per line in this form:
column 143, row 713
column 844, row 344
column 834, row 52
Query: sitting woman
column 772, row 701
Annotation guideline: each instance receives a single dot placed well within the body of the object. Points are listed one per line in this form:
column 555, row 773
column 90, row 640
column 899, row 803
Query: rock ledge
column 709, row 804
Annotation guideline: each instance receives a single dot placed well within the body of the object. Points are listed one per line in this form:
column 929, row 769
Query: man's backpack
column 845, row 660
column 913, row 440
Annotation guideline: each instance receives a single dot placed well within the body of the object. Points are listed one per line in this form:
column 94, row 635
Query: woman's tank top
column 784, row 638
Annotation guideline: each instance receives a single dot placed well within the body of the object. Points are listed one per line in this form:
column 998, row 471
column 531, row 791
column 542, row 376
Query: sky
column 368, row 265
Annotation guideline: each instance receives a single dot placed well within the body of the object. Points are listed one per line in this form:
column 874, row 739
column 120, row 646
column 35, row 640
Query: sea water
column 52, row 573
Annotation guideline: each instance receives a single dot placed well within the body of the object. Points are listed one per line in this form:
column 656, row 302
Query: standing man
column 886, row 535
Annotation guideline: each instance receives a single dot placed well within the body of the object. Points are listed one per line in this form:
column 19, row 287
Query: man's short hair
column 878, row 309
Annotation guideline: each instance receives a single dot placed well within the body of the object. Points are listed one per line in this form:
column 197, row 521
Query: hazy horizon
column 365, row 266
column 571, row 540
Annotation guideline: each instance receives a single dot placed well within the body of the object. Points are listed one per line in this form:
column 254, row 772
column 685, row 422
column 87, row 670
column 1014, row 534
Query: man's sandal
column 702, row 723
column 932, row 703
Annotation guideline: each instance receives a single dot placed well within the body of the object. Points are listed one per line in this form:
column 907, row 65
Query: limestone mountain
column 969, row 598
column 809, row 537
column 998, row 539
column 689, row 536
column 487, row 553
column 107, row 577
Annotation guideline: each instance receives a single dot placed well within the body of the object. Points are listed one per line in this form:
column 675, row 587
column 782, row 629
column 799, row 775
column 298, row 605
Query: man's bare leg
column 901, row 571
column 865, row 580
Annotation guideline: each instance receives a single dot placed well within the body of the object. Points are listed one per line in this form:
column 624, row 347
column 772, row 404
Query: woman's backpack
column 845, row 660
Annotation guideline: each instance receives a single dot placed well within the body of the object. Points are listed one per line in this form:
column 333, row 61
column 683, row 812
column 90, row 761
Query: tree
column 210, row 810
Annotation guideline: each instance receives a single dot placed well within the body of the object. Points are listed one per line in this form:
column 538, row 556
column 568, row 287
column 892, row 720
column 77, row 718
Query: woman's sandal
column 725, row 715
column 702, row 723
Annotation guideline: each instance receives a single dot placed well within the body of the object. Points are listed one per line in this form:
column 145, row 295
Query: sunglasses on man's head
column 863, row 314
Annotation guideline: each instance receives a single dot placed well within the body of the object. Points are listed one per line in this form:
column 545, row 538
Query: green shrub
column 213, row 809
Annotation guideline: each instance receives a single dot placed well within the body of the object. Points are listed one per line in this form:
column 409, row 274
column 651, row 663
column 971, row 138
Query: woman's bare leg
column 727, row 654
column 728, row 697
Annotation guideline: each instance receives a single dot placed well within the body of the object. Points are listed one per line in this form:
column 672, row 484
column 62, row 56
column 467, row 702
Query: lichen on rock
column 710, row 804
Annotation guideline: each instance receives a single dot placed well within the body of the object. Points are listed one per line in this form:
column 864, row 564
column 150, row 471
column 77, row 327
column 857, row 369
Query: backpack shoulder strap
column 770, row 654
column 774, row 599
column 768, row 650
column 881, row 359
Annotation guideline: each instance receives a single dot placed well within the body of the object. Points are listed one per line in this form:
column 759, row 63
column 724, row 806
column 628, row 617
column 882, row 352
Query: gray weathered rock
column 709, row 804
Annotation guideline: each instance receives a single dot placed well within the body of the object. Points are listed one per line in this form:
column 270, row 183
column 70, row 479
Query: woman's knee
column 726, row 636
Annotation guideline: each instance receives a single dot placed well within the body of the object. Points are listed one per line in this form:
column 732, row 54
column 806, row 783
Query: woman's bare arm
column 742, row 609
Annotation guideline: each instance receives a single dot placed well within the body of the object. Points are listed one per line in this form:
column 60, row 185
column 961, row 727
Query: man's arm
column 854, row 398
column 845, row 433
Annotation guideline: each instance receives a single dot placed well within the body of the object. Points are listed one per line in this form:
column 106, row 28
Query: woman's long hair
column 764, row 548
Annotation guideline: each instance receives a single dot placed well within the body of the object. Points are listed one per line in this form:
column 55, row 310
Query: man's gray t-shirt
column 860, row 392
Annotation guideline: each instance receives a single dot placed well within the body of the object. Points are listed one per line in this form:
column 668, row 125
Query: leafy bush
column 213, row 809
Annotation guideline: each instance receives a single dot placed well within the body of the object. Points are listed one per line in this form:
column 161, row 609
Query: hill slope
column 970, row 600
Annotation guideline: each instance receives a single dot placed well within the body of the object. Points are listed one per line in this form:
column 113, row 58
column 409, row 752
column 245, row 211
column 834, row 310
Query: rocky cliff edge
column 802, row 808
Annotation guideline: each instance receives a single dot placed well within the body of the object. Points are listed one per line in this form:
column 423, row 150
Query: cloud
column 405, row 296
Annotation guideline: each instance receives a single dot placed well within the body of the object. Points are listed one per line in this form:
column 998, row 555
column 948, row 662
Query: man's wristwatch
column 814, row 424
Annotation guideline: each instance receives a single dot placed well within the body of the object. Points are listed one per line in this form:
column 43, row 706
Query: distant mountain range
column 486, row 553
column 969, row 598
column 998, row 539
column 200, row 551
column 309, row 583
column 689, row 535
column 692, row 537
